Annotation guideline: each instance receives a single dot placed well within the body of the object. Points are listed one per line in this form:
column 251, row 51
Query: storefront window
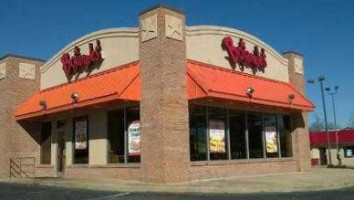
column 285, row 135
column 198, row 134
column 116, row 136
column 237, row 134
column 349, row 152
column 124, row 135
column 81, row 140
column 271, row 135
column 255, row 136
column 45, row 142
column 217, row 123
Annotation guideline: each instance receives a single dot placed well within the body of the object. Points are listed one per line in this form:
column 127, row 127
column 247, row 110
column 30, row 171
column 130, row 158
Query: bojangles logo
column 78, row 62
column 239, row 55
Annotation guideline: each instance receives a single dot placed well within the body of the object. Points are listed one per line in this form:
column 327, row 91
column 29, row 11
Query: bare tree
column 318, row 124
column 332, row 126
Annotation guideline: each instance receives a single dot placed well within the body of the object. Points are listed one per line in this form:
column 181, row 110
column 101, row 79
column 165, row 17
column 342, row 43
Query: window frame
column 277, row 134
column 345, row 151
column 126, row 139
column 122, row 109
column 75, row 119
column 246, row 133
column 205, row 110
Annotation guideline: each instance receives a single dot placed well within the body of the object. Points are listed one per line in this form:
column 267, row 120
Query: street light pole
column 335, row 118
column 321, row 79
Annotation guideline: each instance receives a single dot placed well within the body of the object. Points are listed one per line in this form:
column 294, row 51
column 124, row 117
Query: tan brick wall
column 105, row 172
column 14, row 140
column 296, row 79
column 164, row 105
column 301, row 144
column 241, row 168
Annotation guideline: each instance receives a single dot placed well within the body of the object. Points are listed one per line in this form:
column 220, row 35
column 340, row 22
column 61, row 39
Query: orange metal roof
column 209, row 81
column 121, row 83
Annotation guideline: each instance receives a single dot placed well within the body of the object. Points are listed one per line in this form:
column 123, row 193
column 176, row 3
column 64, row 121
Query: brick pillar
column 301, row 141
column 164, row 104
column 18, row 82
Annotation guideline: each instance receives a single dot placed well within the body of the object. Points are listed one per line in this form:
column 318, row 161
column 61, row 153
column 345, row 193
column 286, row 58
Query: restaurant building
column 341, row 144
column 166, row 102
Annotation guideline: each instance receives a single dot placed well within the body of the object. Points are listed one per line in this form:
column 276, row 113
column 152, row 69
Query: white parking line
column 110, row 196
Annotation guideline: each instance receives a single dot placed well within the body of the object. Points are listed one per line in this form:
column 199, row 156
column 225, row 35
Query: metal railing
column 23, row 167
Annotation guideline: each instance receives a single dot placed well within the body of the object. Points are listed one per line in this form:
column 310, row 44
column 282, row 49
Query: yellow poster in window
column 271, row 139
column 217, row 136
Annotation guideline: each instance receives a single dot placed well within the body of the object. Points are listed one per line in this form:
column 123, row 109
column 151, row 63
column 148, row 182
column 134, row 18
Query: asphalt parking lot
column 16, row 191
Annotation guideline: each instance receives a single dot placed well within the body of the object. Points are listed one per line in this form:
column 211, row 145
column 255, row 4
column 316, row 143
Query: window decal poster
column 271, row 139
column 134, row 138
column 217, row 136
column 349, row 153
column 81, row 135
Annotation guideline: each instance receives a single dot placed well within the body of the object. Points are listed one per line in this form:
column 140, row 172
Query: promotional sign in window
column 134, row 138
column 349, row 153
column 81, row 135
column 271, row 139
column 217, row 136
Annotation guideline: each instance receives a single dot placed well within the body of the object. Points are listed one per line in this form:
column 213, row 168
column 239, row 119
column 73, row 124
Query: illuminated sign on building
column 78, row 62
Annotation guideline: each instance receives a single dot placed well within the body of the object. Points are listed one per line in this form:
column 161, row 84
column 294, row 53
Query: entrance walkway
column 314, row 180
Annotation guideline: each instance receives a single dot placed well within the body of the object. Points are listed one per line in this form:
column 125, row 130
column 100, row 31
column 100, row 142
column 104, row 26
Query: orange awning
column 121, row 83
column 206, row 81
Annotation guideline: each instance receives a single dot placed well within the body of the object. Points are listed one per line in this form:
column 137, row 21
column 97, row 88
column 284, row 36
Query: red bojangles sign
column 239, row 55
column 78, row 62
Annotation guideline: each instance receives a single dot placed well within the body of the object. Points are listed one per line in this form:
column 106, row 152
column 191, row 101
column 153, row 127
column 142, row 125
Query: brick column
column 301, row 141
column 164, row 104
column 21, row 80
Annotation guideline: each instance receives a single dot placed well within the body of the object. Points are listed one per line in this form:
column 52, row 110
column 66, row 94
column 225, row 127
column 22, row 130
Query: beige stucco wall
column 204, row 45
column 98, row 143
column 315, row 153
column 97, row 136
column 345, row 161
column 68, row 141
column 119, row 47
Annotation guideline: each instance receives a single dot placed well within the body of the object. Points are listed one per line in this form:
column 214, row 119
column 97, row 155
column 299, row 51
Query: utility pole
column 321, row 79
column 335, row 119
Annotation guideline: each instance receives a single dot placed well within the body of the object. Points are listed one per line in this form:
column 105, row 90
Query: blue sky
column 323, row 31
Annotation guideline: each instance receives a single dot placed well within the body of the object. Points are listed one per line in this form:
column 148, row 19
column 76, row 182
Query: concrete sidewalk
column 314, row 180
